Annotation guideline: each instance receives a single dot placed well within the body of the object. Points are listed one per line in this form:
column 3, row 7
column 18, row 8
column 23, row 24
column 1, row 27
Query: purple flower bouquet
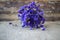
column 32, row 15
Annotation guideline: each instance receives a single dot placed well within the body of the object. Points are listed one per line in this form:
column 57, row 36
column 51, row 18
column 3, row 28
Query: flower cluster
column 32, row 15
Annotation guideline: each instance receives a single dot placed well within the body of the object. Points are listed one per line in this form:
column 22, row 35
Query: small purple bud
column 43, row 28
column 10, row 23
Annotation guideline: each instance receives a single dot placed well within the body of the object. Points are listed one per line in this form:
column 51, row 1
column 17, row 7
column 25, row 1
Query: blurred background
column 10, row 25
column 8, row 9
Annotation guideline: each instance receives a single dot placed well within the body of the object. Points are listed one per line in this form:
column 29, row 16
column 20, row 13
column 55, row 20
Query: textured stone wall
column 8, row 11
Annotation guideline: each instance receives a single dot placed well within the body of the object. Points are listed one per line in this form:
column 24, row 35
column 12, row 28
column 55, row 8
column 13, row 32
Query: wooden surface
column 16, row 32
